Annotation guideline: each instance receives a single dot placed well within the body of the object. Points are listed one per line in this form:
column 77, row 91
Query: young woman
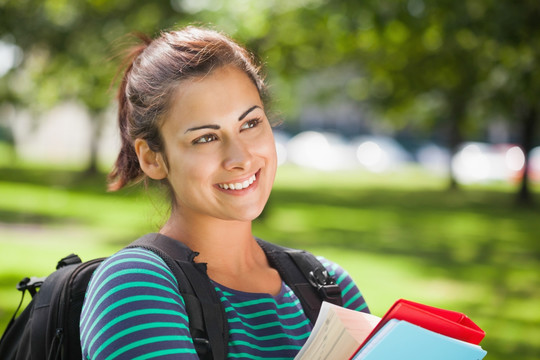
column 191, row 114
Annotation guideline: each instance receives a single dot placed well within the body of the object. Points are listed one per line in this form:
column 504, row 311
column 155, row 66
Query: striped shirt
column 133, row 310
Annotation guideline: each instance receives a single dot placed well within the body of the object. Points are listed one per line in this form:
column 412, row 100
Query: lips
column 239, row 185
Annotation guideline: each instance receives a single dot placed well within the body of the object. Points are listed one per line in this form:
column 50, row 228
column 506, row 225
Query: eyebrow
column 209, row 126
column 217, row 127
column 248, row 111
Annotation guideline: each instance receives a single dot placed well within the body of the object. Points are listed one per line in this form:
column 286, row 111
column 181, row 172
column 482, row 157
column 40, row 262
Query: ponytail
column 126, row 168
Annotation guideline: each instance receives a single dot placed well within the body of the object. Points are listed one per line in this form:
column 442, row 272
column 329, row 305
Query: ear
column 151, row 162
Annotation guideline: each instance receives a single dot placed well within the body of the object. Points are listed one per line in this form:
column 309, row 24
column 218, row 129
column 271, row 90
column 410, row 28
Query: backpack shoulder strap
column 207, row 318
column 300, row 270
column 305, row 275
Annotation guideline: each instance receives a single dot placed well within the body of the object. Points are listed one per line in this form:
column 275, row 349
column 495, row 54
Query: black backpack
column 48, row 328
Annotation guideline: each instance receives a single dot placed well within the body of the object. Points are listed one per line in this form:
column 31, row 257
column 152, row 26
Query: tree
column 433, row 64
column 514, row 82
column 69, row 49
column 428, row 65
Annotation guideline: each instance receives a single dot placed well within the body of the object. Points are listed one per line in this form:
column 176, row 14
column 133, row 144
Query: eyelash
column 212, row 137
column 205, row 139
column 251, row 123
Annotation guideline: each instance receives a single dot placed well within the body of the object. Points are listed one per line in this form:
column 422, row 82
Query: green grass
column 399, row 236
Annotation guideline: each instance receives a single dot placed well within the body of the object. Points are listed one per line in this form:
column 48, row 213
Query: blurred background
column 408, row 143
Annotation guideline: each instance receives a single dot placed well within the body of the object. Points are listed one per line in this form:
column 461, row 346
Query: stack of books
column 408, row 331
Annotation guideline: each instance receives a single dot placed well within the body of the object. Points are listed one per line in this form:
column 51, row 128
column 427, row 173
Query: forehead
column 223, row 93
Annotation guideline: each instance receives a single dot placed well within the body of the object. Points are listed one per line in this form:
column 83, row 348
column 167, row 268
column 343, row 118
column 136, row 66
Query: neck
column 232, row 255
column 216, row 240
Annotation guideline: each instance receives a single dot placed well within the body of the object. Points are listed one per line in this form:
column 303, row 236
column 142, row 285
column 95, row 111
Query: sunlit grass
column 399, row 235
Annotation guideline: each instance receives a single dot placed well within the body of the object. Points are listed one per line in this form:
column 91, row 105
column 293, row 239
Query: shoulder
column 133, row 263
column 129, row 274
column 133, row 299
column 352, row 297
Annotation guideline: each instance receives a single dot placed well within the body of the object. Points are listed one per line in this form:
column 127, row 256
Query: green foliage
column 475, row 58
column 69, row 46
column 398, row 236
column 466, row 51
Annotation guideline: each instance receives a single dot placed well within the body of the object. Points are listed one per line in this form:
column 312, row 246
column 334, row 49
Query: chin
column 246, row 215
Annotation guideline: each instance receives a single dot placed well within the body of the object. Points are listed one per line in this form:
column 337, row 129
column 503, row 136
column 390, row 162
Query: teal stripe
column 97, row 280
column 264, row 313
column 124, row 302
column 158, row 262
column 252, row 302
column 263, row 348
column 226, row 293
column 347, row 289
column 139, row 254
column 323, row 261
column 136, row 271
column 362, row 307
column 353, row 299
column 146, row 253
column 90, row 301
column 248, row 303
column 260, row 301
column 140, row 343
column 270, row 324
column 270, row 337
column 136, row 328
column 152, row 263
column 289, row 293
column 132, row 314
column 142, row 284
column 117, row 262
column 160, row 353
column 95, row 304
column 250, row 356
column 342, row 277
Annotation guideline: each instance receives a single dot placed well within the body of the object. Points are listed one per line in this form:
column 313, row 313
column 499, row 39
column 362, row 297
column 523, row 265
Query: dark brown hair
column 153, row 70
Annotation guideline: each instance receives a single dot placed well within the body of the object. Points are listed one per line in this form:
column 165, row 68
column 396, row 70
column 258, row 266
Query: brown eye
column 205, row 139
column 250, row 124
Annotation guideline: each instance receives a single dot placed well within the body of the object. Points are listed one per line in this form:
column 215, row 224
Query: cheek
column 195, row 170
column 180, row 169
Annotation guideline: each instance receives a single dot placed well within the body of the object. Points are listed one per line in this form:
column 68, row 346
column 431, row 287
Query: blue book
column 399, row 339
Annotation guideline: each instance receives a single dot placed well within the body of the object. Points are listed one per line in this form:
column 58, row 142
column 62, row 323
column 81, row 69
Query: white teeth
column 239, row 186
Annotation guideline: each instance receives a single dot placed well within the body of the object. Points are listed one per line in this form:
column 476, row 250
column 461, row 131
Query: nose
column 237, row 155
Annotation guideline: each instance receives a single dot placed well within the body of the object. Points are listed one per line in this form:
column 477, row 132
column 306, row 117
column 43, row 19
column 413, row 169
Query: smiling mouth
column 239, row 185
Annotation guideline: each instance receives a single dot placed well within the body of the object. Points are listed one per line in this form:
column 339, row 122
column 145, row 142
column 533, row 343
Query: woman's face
column 220, row 147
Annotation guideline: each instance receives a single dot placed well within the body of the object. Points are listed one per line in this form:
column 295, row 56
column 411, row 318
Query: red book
column 445, row 322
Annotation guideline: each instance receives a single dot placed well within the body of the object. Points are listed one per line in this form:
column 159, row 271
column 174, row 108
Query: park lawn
column 399, row 236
